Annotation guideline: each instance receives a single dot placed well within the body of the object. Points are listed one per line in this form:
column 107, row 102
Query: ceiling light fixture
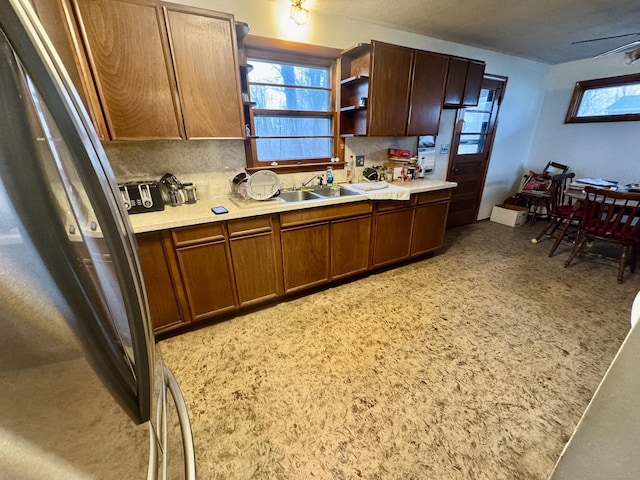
column 297, row 13
column 631, row 57
column 618, row 49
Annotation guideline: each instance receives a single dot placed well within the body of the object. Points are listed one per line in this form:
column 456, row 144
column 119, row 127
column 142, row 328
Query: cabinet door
column 427, row 92
column 429, row 224
column 456, row 79
column 254, row 265
column 464, row 81
column 393, row 236
column 164, row 306
column 475, row 75
column 305, row 256
column 205, row 59
column 127, row 49
column 208, row 280
column 350, row 240
column 58, row 21
column 389, row 89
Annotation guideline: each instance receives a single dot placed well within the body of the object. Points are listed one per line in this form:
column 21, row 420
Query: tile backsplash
column 214, row 162
column 198, row 161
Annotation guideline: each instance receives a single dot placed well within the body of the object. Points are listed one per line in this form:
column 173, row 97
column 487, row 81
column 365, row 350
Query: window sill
column 304, row 167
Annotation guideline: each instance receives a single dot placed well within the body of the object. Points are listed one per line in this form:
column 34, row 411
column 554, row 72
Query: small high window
column 613, row 99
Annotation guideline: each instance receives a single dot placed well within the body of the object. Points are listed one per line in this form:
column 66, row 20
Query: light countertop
column 200, row 212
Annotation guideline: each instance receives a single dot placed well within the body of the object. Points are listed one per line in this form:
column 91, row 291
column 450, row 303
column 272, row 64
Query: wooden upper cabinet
column 206, row 65
column 58, row 21
column 463, row 82
column 127, row 50
column 427, row 92
column 456, row 79
column 405, row 89
column 389, row 87
column 475, row 74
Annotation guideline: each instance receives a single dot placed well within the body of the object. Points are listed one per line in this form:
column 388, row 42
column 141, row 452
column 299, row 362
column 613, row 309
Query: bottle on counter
column 350, row 170
column 329, row 176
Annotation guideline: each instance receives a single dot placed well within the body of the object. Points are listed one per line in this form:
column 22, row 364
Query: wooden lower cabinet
column 428, row 225
column 208, row 280
column 305, row 256
column 202, row 271
column 350, row 241
column 204, row 264
column 253, row 254
column 392, row 236
column 162, row 292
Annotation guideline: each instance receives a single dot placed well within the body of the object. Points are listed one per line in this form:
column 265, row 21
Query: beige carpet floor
column 476, row 363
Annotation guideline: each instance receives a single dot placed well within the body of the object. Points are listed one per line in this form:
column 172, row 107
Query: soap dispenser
column 329, row 176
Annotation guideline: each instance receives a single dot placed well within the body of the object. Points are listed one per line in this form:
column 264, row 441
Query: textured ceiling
column 541, row 30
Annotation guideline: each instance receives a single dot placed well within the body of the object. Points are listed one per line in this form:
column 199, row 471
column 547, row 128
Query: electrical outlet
column 359, row 160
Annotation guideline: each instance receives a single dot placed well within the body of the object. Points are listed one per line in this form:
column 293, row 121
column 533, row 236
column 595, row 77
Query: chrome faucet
column 319, row 176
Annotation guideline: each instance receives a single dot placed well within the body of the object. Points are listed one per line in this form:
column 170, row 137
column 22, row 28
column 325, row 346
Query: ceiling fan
column 630, row 55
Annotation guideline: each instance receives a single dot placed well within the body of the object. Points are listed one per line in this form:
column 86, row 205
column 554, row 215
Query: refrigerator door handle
column 171, row 387
column 185, row 425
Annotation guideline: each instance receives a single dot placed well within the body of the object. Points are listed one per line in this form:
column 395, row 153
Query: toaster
column 139, row 197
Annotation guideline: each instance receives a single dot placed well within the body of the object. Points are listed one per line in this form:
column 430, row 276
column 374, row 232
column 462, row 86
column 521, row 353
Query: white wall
column 518, row 114
column 603, row 150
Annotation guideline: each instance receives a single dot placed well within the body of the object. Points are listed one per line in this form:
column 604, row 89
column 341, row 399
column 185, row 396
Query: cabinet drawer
column 248, row 226
column 426, row 197
column 312, row 215
column 384, row 205
column 208, row 232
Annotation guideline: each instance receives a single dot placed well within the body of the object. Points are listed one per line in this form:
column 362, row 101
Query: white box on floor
column 511, row 215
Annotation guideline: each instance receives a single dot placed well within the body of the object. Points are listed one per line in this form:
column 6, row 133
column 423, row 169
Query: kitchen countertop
column 200, row 212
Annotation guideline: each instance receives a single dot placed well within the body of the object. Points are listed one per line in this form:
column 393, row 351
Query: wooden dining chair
column 564, row 218
column 614, row 217
column 535, row 190
column 555, row 168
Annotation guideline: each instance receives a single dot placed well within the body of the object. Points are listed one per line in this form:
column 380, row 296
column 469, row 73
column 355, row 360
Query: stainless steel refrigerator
column 83, row 390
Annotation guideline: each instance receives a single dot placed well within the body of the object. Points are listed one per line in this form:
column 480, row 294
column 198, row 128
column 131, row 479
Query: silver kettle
column 172, row 190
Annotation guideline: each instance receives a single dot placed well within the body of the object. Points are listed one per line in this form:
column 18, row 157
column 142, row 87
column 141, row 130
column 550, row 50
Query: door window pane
column 471, row 144
column 476, row 124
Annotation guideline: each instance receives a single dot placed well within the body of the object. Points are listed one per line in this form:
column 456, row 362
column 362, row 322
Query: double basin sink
column 315, row 194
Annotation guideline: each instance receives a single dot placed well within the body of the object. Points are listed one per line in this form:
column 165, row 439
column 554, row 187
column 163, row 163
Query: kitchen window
column 613, row 99
column 293, row 120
